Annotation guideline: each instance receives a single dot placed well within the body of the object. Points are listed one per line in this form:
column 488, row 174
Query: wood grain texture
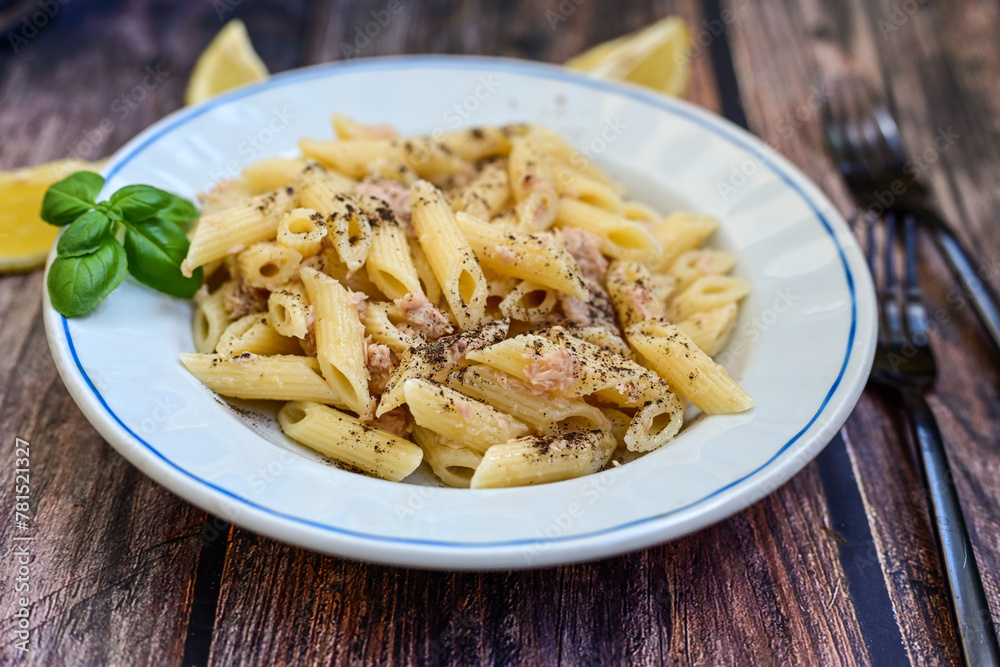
column 759, row 588
column 116, row 555
column 914, row 60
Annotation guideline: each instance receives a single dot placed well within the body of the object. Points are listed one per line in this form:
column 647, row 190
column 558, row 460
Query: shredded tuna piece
column 384, row 130
column 559, row 369
column 242, row 299
column 464, row 409
column 393, row 193
column 357, row 299
column 598, row 312
column 394, row 421
column 423, row 315
column 642, row 301
column 586, row 250
column 381, row 364
column 458, row 349
column 504, row 254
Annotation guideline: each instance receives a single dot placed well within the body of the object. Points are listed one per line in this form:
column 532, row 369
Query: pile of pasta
column 485, row 300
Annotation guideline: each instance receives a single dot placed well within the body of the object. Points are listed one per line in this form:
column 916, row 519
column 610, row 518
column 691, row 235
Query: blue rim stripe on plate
column 540, row 71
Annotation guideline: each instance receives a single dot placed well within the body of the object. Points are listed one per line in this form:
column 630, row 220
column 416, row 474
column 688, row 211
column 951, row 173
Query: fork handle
column 962, row 266
column 965, row 587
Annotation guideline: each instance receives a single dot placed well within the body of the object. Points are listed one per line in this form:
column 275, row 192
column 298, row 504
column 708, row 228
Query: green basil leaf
column 179, row 211
column 155, row 250
column 71, row 197
column 77, row 284
column 85, row 235
column 139, row 202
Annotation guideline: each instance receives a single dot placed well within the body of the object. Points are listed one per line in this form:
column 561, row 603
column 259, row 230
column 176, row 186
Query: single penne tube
column 349, row 230
column 655, row 424
column 382, row 320
column 559, row 150
column 528, row 302
column 690, row 372
column 694, row 264
column 272, row 173
column 348, row 440
column 340, row 340
column 449, row 255
column 629, row 284
column 488, row 193
column 602, row 337
column 574, row 185
column 303, row 230
column 452, row 464
column 463, row 419
column 268, row 264
column 704, row 294
column 512, row 397
column 348, row 128
column 528, row 168
column 554, row 361
column 536, row 212
column 210, row 319
column 541, row 459
column 434, row 360
column 288, row 310
column 389, row 263
column 253, row 334
column 620, row 238
column 710, row 330
column 273, row 378
column 679, row 232
column 537, row 258
column 428, row 281
column 422, row 154
column 234, row 229
column 635, row 210
column 475, row 143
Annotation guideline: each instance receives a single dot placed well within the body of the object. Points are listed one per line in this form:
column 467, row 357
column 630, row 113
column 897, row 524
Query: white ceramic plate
column 803, row 345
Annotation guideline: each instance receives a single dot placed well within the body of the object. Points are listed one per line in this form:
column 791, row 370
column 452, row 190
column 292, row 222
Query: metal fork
column 867, row 145
column 904, row 362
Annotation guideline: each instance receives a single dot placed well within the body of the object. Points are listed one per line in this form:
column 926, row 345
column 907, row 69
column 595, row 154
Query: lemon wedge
column 227, row 63
column 657, row 56
column 24, row 238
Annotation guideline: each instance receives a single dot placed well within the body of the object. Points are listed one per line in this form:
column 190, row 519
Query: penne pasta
column 348, row 440
column 449, row 255
column 690, row 372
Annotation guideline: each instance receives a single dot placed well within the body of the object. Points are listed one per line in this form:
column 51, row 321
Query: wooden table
column 837, row 566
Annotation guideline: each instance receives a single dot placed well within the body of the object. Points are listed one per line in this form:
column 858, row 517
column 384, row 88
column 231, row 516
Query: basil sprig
column 139, row 229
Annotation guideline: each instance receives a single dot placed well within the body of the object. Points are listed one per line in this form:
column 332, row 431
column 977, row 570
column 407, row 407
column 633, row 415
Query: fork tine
column 833, row 129
column 916, row 313
column 890, row 293
column 890, row 136
column 867, row 132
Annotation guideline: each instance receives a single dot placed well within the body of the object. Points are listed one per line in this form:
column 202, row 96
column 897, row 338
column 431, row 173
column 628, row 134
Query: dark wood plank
column 931, row 64
column 114, row 554
column 747, row 591
column 111, row 551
